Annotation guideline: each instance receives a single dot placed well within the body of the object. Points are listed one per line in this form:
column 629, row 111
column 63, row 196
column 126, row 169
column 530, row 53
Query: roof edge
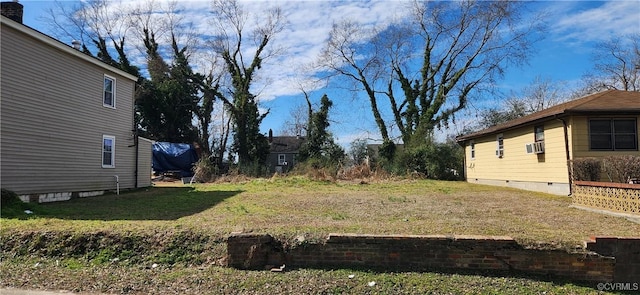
column 488, row 131
column 557, row 111
column 61, row 46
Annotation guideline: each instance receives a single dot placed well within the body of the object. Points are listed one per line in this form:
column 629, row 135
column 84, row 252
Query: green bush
column 586, row 169
column 441, row 161
column 621, row 168
column 13, row 207
column 253, row 169
column 9, row 197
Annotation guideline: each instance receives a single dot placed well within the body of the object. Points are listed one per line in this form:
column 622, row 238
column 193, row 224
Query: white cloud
column 309, row 24
column 595, row 23
column 308, row 27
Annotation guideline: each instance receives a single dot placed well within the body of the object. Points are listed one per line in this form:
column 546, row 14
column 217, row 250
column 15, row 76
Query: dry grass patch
column 111, row 243
column 293, row 206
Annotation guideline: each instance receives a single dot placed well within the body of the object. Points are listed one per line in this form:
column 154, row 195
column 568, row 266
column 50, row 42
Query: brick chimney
column 12, row 10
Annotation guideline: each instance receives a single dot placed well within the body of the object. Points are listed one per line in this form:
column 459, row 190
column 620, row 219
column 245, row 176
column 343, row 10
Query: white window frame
column 113, row 91
column 282, row 159
column 500, row 145
column 472, row 148
column 538, row 136
column 113, row 151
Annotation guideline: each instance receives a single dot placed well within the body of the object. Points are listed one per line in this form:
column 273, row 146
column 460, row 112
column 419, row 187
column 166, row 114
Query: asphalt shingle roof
column 285, row 144
column 610, row 102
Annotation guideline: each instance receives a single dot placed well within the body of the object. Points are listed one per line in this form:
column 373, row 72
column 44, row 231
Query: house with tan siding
column 66, row 120
column 533, row 152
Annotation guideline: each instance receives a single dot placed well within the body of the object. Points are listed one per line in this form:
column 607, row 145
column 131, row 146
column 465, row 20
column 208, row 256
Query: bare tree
column 428, row 67
column 173, row 102
column 97, row 27
column 616, row 66
column 541, row 94
column 243, row 55
column 296, row 125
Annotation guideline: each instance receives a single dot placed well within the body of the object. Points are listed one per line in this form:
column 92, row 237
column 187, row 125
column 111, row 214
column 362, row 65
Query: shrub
column 13, row 207
column 253, row 169
column 621, row 168
column 9, row 197
column 205, row 170
column 442, row 161
column 355, row 172
column 317, row 169
column 586, row 169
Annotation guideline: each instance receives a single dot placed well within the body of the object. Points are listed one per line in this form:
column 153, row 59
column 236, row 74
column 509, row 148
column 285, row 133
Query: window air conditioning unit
column 535, row 147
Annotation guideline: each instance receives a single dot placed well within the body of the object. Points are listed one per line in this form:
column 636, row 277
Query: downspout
column 568, row 155
column 117, row 184
column 464, row 160
column 135, row 171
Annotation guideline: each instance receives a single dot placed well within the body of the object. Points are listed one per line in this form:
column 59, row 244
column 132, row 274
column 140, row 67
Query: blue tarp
column 174, row 157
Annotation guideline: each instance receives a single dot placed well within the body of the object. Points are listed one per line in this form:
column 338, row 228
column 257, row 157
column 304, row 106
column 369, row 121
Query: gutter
column 568, row 154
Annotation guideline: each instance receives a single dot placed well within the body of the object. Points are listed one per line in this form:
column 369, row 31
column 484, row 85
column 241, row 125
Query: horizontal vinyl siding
column 580, row 142
column 53, row 121
column 580, row 134
column 145, row 147
column 272, row 160
column 517, row 165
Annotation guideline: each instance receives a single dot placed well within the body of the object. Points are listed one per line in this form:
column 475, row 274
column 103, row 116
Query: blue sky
column 563, row 56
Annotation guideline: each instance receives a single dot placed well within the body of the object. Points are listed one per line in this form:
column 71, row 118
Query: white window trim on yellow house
column 536, row 149
column 500, row 145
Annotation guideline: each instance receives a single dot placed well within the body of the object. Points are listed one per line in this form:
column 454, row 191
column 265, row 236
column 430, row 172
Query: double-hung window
column 282, row 159
column 472, row 147
column 613, row 134
column 109, row 92
column 499, row 145
column 539, row 133
column 108, row 151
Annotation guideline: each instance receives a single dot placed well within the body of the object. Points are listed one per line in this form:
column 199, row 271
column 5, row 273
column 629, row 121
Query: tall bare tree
column 542, row 93
column 427, row 68
column 171, row 96
column 296, row 124
column 616, row 65
column 243, row 54
column 96, row 26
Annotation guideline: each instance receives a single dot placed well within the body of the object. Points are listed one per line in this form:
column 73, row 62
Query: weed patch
column 115, row 240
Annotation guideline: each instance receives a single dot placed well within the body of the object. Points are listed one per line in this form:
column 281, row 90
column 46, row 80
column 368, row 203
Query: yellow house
column 533, row 152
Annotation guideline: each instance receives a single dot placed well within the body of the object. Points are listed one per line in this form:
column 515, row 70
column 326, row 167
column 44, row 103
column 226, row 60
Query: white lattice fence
column 614, row 197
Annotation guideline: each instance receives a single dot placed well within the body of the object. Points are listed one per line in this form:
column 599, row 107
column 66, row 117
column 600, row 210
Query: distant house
column 283, row 151
column 67, row 119
column 533, row 152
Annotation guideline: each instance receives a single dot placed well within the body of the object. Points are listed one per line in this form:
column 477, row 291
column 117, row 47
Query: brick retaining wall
column 627, row 254
column 434, row 252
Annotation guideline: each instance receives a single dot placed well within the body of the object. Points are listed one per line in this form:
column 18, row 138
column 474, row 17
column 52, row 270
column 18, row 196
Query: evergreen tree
column 167, row 102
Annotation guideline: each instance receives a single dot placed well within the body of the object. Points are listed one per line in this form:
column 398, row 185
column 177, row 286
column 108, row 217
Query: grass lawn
column 294, row 206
